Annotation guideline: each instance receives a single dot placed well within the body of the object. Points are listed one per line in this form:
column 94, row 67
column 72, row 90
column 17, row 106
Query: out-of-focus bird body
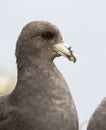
column 98, row 119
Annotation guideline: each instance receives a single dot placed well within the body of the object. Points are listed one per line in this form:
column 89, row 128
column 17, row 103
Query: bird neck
column 34, row 78
column 34, row 71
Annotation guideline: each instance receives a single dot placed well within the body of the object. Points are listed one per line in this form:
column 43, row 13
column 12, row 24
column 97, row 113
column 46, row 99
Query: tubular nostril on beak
column 67, row 46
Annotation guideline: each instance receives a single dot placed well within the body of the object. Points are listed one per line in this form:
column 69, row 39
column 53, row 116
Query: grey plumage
column 41, row 99
column 98, row 119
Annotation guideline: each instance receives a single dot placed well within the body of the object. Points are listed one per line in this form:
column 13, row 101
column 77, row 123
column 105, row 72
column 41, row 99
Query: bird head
column 42, row 40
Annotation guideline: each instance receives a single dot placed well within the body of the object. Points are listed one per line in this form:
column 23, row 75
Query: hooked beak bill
column 64, row 49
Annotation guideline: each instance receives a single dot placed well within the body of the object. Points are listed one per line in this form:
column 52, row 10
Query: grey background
column 83, row 25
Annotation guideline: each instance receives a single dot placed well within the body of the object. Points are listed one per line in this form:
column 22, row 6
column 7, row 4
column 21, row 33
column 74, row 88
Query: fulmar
column 41, row 99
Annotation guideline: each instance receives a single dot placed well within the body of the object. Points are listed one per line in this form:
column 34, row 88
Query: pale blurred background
column 7, row 82
column 83, row 25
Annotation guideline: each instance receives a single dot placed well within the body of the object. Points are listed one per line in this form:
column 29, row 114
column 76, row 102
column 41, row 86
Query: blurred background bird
column 7, row 82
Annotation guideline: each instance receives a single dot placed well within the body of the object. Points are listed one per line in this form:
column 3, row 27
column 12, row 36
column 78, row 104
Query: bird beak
column 64, row 49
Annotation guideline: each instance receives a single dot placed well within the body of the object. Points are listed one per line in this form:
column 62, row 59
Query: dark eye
column 48, row 35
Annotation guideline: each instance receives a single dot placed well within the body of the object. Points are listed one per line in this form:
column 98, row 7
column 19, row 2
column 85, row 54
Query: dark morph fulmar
column 41, row 99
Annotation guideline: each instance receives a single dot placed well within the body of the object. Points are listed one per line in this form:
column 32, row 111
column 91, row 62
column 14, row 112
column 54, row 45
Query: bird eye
column 48, row 35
